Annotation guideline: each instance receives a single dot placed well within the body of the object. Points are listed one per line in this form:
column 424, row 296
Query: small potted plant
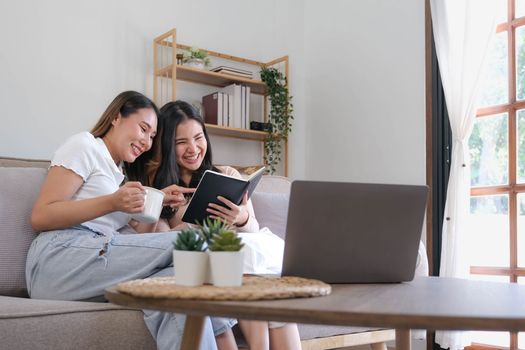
column 226, row 258
column 208, row 229
column 190, row 260
column 211, row 227
column 196, row 58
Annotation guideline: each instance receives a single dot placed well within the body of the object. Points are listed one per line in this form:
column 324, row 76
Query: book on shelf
column 234, row 90
column 212, row 106
column 246, row 120
column 229, row 107
column 237, row 75
column 216, row 108
column 224, row 121
column 229, row 104
column 243, row 105
column 231, row 69
column 214, row 184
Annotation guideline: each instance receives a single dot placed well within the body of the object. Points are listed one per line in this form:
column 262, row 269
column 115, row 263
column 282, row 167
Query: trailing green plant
column 196, row 53
column 211, row 227
column 226, row 241
column 280, row 116
column 189, row 240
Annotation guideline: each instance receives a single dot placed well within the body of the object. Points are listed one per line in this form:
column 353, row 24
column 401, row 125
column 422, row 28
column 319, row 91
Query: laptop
column 353, row 232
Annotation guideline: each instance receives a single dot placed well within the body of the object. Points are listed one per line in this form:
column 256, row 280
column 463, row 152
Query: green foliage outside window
column 495, row 147
column 488, row 146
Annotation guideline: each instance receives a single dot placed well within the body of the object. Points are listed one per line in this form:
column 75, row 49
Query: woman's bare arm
column 54, row 208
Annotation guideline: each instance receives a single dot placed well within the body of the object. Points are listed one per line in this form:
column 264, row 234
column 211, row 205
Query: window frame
column 512, row 188
column 436, row 162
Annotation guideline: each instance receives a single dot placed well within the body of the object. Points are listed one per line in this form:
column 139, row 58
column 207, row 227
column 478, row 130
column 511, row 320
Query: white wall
column 365, row 90
column 261, row 31
column 62, row 62
column 359, row 116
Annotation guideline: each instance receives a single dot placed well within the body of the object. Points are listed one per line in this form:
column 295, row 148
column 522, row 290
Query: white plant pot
column 195, row 63
column 190, row 267
column 226, row 268
column 207, row 275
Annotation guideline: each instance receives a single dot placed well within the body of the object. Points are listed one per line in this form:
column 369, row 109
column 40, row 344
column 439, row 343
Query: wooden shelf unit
column 174, row 72
column 236, row 133
column 206, row 77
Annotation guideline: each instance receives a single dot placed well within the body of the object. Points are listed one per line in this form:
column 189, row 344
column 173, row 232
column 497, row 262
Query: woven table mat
column 253, row 288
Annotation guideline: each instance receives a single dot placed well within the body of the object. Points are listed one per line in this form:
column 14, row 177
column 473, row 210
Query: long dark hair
column 168, row 172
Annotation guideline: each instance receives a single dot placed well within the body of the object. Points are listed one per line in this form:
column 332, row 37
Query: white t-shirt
column 89, row 157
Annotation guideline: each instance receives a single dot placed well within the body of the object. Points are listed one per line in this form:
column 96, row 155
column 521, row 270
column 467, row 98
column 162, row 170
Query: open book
column 215, row 184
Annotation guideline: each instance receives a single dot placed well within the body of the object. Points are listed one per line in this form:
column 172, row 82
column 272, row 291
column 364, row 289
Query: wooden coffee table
column 426, row 303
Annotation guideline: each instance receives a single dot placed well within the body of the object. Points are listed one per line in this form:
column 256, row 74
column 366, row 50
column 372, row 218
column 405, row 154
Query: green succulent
column 189, row 240
column 226, row 241
column 211, row 227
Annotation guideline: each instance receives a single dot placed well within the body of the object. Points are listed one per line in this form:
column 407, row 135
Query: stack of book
column 233, row 71
column 229, row 107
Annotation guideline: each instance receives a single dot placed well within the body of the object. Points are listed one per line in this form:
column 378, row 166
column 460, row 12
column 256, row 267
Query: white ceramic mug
column 152, row 206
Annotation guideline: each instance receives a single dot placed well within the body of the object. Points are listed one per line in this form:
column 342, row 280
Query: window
column 497, row 150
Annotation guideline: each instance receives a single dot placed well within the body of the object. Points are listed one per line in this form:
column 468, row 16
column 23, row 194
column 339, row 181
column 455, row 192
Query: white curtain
column 463, row 30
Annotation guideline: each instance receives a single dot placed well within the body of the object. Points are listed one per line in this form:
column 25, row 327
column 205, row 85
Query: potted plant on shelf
column 196, row 58
column 280, row 116
column 190, row 260
column 226, row 257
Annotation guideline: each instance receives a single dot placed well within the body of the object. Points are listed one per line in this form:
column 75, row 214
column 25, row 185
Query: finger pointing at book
column 184, row 158
column 233, row 214
column 175, row 195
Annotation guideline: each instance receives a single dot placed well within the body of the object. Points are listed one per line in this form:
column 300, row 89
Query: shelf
column 212, row 78
column 166, row 73
column 236, row 133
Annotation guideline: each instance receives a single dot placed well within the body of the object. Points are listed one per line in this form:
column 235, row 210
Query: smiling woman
column 190, row 148
column 184, row 157
column 131, row 136
column 82, row 208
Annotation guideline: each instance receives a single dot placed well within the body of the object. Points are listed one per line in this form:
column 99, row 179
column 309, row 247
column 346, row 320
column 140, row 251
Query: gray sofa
column 48, row 324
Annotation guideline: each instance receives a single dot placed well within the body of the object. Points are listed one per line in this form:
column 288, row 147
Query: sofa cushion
column 271, row 210
column 51, row 324
column 274, row 184
column 18, row 190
